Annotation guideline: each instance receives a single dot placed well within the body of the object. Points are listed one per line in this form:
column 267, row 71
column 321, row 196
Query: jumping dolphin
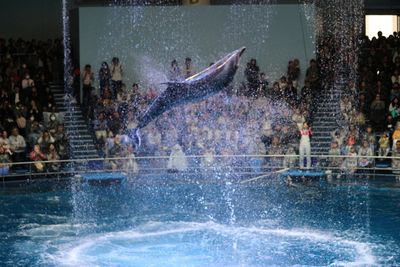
column 193, row 89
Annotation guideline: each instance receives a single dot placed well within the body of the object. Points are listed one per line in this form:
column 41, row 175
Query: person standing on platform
column 305, row 146
column 116, row 77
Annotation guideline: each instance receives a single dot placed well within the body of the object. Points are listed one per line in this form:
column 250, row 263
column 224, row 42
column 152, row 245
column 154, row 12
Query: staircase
column 326, row 120
column 80, row 140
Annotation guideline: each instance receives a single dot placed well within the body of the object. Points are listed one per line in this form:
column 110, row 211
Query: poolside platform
column 300, row 174
column 103, row 178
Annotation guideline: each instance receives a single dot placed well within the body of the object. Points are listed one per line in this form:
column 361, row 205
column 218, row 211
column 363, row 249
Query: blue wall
column 146, row 39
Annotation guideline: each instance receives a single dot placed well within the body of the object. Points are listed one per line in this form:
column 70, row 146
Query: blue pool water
column 164, row 221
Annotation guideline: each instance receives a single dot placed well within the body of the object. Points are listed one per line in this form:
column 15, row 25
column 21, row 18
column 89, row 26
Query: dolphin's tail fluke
column 134, row 135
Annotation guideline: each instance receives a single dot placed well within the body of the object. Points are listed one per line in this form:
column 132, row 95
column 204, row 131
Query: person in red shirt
column 37, row 155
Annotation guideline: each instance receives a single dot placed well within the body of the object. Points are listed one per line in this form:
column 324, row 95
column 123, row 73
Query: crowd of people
column 370, row 108
column 31, row 127
column 259, row 117
column 251, row 118
column 254, row 117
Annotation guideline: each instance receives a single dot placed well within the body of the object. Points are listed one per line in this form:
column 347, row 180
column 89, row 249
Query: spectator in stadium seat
column 52, row 155
column 114, row 122
column 4, row 95
column 345, row 107
column 377, row 112
column 61, row 141
column 358, row 119
column 5, row 161
column 370, row 137
column 177, row 159
column 396, row 134
column 38, row 155
column 131, row 166
column 100, row 126
column 4, row 138
column 384, row 145
column 396, row 160
column 395, row 91
column 116, row 151
column 350, row 163
column 275, row 93
column 35, row 112
column 382, row 91
column 338, row 137
column 16, row 96
column 45, row 140
column 53, row 122
column 17, row 145
column 283, row 83
column 365, row 152
column 275, row 149
column 34, row 131
column 290, row 160
column 290, row 93
column 396, row 76
column 335, row 161
column 394, row 108
column 306, row 92
column 390, row 124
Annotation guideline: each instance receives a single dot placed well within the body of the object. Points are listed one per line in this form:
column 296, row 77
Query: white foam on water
column 155, row 242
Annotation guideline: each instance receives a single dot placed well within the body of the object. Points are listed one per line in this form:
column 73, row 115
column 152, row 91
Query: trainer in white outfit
column 305, row 146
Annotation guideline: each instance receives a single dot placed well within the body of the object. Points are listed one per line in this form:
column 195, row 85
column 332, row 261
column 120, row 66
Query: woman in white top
column 396, row 76
column 305, row 146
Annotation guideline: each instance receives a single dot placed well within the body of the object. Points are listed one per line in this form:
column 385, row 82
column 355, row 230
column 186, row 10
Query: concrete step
column 85, row 146
column 81, row 131
column 324, row 119
column 79, row 120
column 318, row 138
column 73, row 127
column 75, row 134
column 321, row 126
column 85, row 152
column 82, row 141
column 91, row 156
column 63, row 108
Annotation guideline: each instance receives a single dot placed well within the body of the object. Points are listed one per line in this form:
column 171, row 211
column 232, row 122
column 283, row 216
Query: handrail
column 204, row 156
column 77, row 166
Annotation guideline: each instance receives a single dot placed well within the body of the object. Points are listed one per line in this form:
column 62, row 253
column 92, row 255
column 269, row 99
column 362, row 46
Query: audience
column 28, row 113
column 251, row 118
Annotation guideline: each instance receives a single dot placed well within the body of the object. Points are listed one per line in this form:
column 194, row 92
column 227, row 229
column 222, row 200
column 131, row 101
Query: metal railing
column 235, row 164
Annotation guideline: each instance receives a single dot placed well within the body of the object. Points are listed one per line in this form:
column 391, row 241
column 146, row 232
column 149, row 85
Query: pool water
column 195, row 222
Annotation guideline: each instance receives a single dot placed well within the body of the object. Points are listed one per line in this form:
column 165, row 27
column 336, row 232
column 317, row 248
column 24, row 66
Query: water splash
column 199, row 244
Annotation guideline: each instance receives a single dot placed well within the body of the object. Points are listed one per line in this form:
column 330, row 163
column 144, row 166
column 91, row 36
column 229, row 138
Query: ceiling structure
column 371, row 6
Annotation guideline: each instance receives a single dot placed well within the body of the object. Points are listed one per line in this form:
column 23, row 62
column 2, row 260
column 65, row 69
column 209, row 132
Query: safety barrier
column 237, row 164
